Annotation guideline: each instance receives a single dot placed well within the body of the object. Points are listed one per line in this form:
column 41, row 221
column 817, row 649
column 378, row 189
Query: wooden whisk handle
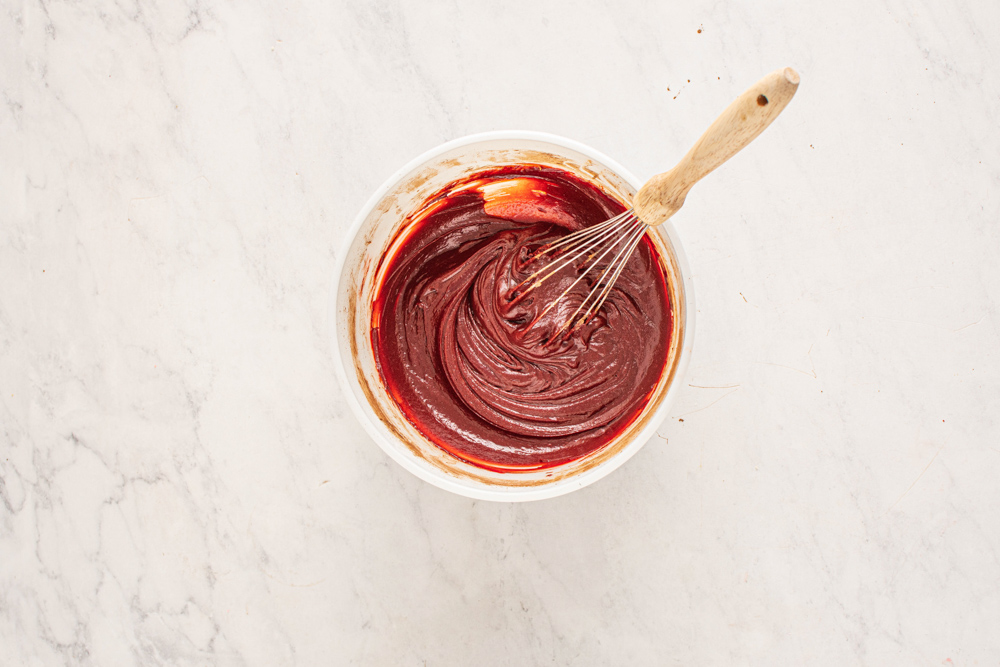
column 737, row 126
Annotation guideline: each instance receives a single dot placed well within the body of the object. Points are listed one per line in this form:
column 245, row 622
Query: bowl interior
column 360, row 274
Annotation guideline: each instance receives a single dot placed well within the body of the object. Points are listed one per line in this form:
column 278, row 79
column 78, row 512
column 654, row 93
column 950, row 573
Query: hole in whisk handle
column 762, row 100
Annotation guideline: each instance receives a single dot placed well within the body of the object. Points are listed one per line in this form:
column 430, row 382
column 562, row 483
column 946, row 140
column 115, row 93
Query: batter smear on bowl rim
column 475, row 364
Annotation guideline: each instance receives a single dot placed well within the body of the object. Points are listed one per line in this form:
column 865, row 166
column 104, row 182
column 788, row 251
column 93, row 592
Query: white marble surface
column 183, row 484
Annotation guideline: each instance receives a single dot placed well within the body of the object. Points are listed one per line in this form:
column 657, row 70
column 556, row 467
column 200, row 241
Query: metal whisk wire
column 618, row 264
column 591, row 245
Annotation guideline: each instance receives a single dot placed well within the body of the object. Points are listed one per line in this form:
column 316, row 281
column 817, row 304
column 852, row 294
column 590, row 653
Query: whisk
column 660, row 197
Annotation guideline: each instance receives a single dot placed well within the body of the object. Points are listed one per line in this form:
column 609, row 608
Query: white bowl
column 357, row 277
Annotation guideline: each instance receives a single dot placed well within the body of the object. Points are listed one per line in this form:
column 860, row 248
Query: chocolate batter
column 466, row 356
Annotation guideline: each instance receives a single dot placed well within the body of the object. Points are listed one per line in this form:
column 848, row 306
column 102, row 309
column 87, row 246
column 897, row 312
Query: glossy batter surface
column 475, row 365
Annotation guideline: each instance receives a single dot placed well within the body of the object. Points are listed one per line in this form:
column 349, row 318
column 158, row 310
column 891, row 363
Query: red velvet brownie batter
column 473, row 362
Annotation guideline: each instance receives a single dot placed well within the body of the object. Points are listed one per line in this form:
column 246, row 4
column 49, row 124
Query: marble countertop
column 182, row 482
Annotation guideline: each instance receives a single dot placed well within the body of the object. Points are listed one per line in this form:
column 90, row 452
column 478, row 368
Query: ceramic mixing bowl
column 357, row 278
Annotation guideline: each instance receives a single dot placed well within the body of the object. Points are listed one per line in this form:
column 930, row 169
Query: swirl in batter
column 475, row 365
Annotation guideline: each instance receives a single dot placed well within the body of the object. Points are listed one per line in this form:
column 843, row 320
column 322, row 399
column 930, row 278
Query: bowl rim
column 365, row 414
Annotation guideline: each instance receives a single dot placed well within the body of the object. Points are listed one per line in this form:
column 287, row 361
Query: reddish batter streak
column 470, row 361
